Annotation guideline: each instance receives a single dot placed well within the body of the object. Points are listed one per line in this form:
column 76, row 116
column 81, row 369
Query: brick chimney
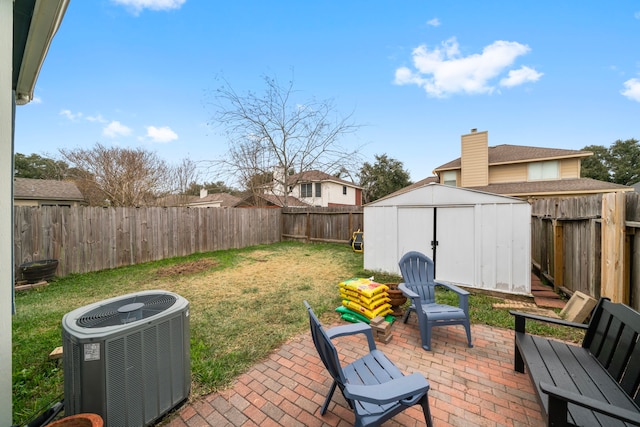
column 474, row 159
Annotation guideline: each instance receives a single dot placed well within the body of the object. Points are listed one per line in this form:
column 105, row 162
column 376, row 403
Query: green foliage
column 620, row 163
column 596, row 166
column 625, row 161
column 383, row 177
column 38, row 167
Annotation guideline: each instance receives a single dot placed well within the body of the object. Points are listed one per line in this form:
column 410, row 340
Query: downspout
column 7, row 114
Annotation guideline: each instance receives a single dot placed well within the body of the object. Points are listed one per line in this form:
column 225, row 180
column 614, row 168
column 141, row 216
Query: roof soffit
column 35, row 22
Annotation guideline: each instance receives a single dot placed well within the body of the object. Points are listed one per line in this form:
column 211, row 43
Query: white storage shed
column 476, row 239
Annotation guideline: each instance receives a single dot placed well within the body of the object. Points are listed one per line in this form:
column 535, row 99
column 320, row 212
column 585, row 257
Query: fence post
column 558, row 259
column 613, row 238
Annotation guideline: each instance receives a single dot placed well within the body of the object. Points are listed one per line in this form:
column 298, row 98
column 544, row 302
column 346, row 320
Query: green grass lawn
column 243, row 304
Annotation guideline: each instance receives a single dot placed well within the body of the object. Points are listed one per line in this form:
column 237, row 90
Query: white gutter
column 47, row 16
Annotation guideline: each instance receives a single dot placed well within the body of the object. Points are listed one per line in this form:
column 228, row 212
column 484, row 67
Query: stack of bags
column 363, row 300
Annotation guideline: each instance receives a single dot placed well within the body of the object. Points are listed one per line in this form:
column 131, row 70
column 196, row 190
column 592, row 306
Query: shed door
column 454, row 227
column 415, row 230
column 456, row 249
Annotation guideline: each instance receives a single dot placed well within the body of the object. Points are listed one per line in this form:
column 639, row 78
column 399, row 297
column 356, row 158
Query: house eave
column 540, row 159
column 525, row 194
column 35, row 24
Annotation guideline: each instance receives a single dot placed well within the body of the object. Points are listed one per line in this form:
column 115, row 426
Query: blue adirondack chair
column 419, row 285
column 373, row 386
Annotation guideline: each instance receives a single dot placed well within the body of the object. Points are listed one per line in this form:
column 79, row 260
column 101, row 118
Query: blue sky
column 415, row 74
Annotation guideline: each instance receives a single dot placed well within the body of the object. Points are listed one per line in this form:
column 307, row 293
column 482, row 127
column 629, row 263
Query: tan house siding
column 475, row 159
column 520, row 171
column 507, row 173
column 570, row 168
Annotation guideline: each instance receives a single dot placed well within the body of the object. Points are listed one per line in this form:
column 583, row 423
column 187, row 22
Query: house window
column 540, row 171
column 449, row 178
column 318, row 189
column 344, row 189
column 306, row 190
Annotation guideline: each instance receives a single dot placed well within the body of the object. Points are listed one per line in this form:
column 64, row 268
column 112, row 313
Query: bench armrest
column 558, row 399
column 353, row 329
column 521, row 318
column 412, row 386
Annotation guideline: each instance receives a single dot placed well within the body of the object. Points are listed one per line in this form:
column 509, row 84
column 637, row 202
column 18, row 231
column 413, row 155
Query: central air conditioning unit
column 127, row 358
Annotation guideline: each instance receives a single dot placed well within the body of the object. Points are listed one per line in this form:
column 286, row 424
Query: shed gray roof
column 45, row 189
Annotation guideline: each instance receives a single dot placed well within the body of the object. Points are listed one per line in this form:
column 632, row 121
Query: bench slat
column 620, row 359
column 605, row 370
column 571, row 368
column 596, row 383
column 609, row 341
column 566, row 372
column 631, row 379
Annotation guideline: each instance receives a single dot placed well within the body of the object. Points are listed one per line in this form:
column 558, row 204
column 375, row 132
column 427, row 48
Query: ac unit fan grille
column 126, row 310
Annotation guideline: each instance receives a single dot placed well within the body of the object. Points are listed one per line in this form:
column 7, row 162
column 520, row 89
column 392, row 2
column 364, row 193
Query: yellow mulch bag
column 381, row 310
column 364, row 301
column 365, row 287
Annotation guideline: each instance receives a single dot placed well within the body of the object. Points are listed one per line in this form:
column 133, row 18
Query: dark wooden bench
column 596, row 384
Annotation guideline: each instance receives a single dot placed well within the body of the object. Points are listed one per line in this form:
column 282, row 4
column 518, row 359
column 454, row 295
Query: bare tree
column 118, row 176
column 182, row 177
column 273, row 133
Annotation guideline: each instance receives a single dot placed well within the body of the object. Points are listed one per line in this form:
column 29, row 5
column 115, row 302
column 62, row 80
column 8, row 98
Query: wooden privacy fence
column 85, row 239
column 589, row 244
column 332, row 225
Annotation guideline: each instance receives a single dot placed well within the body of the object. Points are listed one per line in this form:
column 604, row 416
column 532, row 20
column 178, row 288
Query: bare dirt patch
column 264, row 272
column 187, row 268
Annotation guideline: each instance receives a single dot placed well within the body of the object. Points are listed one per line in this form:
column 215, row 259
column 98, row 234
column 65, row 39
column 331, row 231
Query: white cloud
column 71, row 116
column 637, row 15
column 137, row 6
column 435, row 22
column 522, row 75
column 162, row 134
column 444, row 71
column 36, row 100
column 98, row 118
column 632, row 89
column 115, row 129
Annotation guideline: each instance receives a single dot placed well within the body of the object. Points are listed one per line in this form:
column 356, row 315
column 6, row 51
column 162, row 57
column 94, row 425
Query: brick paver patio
column 469, row 386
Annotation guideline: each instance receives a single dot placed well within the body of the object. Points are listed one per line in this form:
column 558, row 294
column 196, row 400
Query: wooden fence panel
column 335, row 224
column 85, row 239
column 582, row 245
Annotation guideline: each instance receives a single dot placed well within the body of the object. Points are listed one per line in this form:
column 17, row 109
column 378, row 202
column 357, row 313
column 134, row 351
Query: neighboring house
column 215, row 200
column 259, row 200
column 520, row 171
column 46, row 192
column 317, row 188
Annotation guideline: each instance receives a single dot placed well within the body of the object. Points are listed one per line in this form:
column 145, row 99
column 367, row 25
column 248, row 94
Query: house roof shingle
column 507, row 153
column 560, row 186
column 45, row 189
column 226, row 200
column 272, row 200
